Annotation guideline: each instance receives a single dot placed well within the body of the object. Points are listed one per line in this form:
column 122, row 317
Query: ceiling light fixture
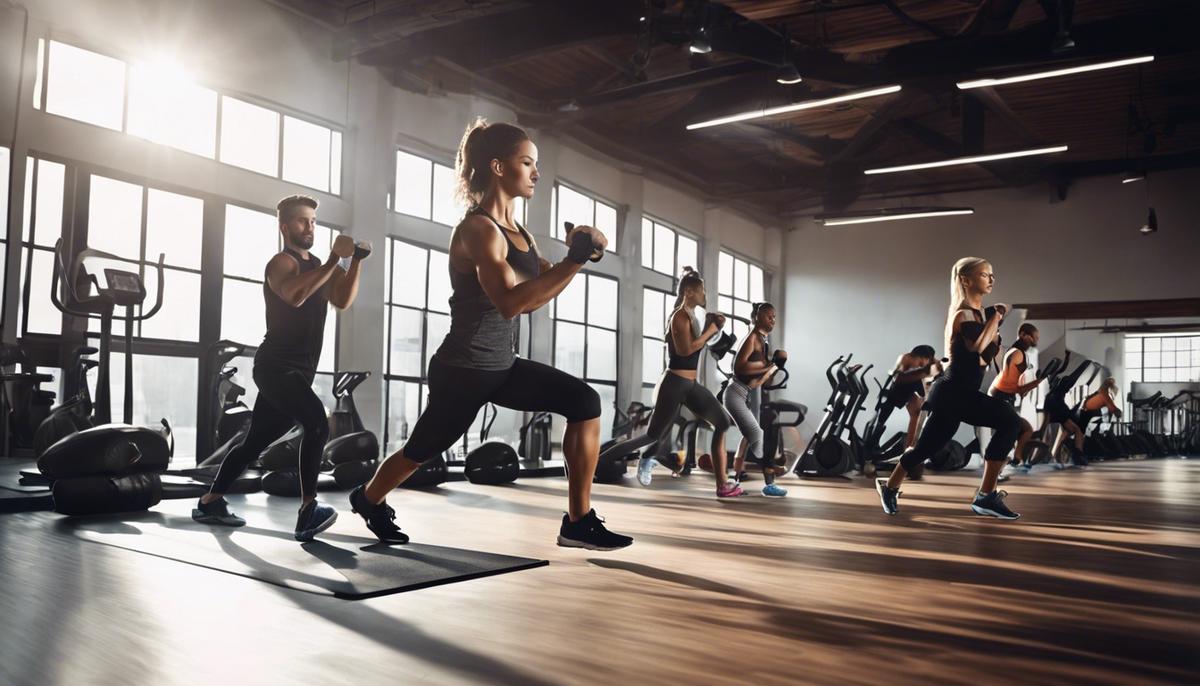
column 889, row 214
column 788, row 75
column 700, row 44
column 988, row 83
column 1132, row 178
column 1151, row 225
column 794, row 107
column 973, row 159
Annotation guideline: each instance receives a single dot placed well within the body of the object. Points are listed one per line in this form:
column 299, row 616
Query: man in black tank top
column 298, row 290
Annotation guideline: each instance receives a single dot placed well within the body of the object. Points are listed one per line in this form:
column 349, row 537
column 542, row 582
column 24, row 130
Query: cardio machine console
column 124, row 288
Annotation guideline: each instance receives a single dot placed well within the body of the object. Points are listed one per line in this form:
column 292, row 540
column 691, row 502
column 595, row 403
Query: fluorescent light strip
column 892, row 217
column 987, row 83
column 794, row 107
column 1133, row 179
column 969, row 160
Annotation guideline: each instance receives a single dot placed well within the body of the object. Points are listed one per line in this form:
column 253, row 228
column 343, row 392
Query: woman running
column 954, row 397
column 496, row 274
column 752, row 368
column 679, row 388
column 1007, row 385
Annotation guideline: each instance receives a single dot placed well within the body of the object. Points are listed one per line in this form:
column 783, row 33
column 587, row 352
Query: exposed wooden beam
column 1000, row 109
column 1113, row 309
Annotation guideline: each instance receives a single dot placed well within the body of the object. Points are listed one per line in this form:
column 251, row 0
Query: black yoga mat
column 344, row 566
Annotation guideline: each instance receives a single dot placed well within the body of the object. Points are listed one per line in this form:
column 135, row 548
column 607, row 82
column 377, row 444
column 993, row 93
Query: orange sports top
column 1009, row 380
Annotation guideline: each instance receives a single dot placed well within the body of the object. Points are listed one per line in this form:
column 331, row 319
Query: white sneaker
column 645, row 465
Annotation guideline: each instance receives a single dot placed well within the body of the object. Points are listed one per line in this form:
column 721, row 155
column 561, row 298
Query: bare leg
column 719, row 458
column 1058, row 441
column 897, row 476
column 1022, row 439
column 914, row 420
column 739, row 461
column 991, row 472
column 393, row 472
column 581, row 448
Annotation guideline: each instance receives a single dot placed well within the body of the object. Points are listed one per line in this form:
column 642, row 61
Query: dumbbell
column 597, row 253
column 361, row 250
column 779, row 358
column 721, row 347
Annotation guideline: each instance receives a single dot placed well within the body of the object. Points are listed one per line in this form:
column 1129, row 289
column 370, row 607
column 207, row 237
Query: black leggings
column 948, row 407
column 457, row 393
column 675, row 392
column 285, row 398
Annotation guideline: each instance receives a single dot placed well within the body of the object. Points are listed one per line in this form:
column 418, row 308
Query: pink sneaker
column 731, row 489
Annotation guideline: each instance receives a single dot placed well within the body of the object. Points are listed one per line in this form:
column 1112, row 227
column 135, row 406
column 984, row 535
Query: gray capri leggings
column 673, row 393
column 744, row 404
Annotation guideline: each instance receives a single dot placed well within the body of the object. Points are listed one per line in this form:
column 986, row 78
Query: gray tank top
column 480, row 337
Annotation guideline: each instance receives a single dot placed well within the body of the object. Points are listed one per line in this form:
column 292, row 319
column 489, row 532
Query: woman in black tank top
column 955, row 397
column 678, row 388
column 497, row 274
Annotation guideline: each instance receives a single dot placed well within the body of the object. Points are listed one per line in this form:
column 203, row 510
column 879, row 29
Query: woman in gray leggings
column 752, row 368
column 678, row 387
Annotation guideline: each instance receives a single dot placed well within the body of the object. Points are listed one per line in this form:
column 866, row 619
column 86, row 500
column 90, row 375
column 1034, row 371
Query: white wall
column 879, row 289
column 271, row 56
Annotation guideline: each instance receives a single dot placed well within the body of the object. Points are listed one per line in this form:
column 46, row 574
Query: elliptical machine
column 827, row 453
column 109, row 467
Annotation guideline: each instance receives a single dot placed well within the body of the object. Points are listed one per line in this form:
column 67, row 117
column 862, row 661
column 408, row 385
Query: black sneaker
column 887, row 496
column 313, row 519
column 380, row 519
column 993, row 505
column 590, row 533
column 216, row 512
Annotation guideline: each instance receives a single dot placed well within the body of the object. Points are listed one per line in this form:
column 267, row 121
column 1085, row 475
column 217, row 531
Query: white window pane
column 115, row 217
column 687, row 252
column 1153, row 375
column 602, row 302
column 243, row 312
column 49, row 219
column 568, row 348
column 1195, row 373
column 724, row 303
column 174, row 226
column 574, row 207
column 725, row 273
column 439, row 281
column 653, row 314
column 446, row 209
column 39, row 74
column 413, row 184
column 569, row 303
column 179, row 317
column 608, row 398
column 437, row 326
column 1133, row 344
column 322, row 242
column 606, row 221
column 27, row 219
column 86, row 86
column 1135, row 376
column 1168, row 358
column 405, row 342
column 664, row 251
column 328, row 361
column 5, row 161
column 43, row 316
column 601, row 354
column 335, row 164
column 653, row 359
column 166, row 107
column 154, row 400
column 741, row 279
column 521, row 210
column 1168, row 344
column 306, row 153
column 249, row 136
column 1152, row 359
column 647, row 243
column 251, row 240
column 1133, row 360
column 1195, row 356
column 408, row 274
column 1154, row 344
column 756, row 284
column 404, row 399
column 556, row 227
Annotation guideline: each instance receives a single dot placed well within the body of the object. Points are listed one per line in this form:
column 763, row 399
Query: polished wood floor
column 1098, row 583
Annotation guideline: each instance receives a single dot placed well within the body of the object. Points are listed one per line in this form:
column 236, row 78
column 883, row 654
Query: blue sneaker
column 993, row 505
column 887, row 496
column 645, row 466
column 774, row 491
column 313, row 519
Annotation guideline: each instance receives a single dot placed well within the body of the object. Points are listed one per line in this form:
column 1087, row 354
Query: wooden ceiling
column 618, row 75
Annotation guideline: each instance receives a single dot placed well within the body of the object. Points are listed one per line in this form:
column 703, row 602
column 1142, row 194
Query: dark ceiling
column 618, row 75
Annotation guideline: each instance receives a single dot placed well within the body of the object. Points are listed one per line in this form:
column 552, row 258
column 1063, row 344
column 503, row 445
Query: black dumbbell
column 597, row 253
column 361, row 250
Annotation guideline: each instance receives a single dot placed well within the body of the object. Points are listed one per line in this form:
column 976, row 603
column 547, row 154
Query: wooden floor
column 1098, row 583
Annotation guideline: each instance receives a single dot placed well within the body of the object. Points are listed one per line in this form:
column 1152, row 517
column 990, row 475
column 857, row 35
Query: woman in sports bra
column 972, row 341
column 679, row 388
column 497, row 274
column 752, row 368
column 1007, row 386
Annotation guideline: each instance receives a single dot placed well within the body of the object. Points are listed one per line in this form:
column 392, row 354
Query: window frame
column 1137, row 374
column 596, row 199
column 676, row 234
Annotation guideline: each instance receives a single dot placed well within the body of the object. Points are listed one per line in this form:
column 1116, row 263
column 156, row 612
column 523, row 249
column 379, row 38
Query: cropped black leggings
column 948, row 407
column 457, row 393
column 675, row 392
column 285, row 398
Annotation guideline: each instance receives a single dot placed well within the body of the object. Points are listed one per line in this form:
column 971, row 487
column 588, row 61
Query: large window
column 5, row 161
column 740, row 285
column 582, row 209
column 1162, row 358
column 161, row 102
column 666, row 250
column 418, row 318
column 656, row 305
column 585, row 336
column 42, row 226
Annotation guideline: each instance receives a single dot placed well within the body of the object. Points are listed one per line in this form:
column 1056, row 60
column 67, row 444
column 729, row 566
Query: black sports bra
column 682, row 362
